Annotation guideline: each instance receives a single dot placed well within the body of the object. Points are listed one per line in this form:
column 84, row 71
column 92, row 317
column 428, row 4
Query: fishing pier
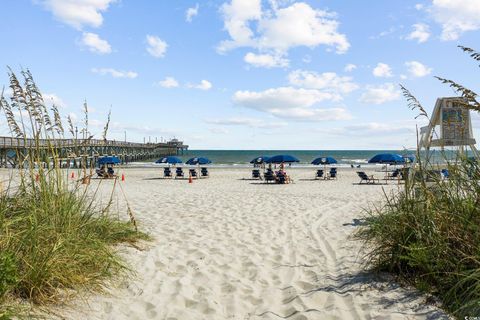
column 72, row 152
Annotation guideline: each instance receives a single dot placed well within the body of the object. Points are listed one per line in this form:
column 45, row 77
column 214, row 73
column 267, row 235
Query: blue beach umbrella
column 387, row 158
column 260, row 160
column 324, row 161
column 169, row 160
column 108, row 160
column 199, row 161
column 282, row 158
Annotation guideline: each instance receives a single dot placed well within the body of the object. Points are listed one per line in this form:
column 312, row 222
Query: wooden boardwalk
column 73, row 151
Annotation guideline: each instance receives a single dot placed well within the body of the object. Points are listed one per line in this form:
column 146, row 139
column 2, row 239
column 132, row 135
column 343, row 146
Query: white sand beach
column 227, row 248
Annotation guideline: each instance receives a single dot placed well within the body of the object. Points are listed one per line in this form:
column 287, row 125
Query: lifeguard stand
column 450, row 126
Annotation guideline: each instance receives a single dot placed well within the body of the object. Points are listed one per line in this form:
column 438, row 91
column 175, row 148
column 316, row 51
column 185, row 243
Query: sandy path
column 227, row 248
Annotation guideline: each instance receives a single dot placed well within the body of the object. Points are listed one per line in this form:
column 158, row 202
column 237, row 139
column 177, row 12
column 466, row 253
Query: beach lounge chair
column 332, row 174
column 269, row 176
column 365, row 178
column 167, row 173
column 256, row 174
column 179, row 173
column 204, row 173
column 319, row 174
column 193, row 173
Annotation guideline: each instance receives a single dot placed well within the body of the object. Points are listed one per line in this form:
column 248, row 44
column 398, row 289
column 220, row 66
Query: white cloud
column 279, row 29
column 156, row 46
column 191, row 12
column 419, row 6
column 248, row 122
column 292, row 103
column 168, row 82
column 350, row 67
column 52, row 99
column 376, row 128
column 456, row 16
column 78, row 13
column 265, row 60
column 203, row 85
column 382, row 70
column 421, row 33
column 327, row 81
column 380, row 94
column 115, row 73
column 417, row 69
column 95, row 44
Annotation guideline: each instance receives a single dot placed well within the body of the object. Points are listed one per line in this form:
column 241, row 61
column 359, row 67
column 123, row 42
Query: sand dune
column 227, row 248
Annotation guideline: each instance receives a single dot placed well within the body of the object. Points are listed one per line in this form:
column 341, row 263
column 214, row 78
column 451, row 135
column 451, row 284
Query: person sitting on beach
column 101, row 171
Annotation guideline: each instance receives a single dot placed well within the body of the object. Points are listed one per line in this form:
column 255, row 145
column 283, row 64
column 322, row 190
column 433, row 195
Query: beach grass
column 429, row 233
column 56, row 240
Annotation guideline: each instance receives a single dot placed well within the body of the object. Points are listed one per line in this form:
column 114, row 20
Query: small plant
column 429, row 233
column 55, row 239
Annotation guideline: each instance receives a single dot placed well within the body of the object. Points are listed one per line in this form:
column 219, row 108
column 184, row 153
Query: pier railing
column 10, row 142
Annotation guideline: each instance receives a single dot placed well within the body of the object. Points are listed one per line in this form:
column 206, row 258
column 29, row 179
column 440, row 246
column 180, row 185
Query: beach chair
column 445, row 173
column 193, row 173
column 101, row 173
column 281, row 177
column 319, row 174
column 269, row 176
column 332, row 174
column 204, row 173
column 110, row 172
column 365, row 178
column 394, row 175
column 256, row 174
column 179, row 173
column 167, row 173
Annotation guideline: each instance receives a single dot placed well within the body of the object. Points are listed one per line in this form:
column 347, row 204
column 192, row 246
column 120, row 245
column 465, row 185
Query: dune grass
column 55, row 238
column 429, row 233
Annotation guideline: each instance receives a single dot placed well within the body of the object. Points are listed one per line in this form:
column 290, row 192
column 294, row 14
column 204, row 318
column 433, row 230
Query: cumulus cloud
column 156, row 47
column 350, row 67
column 327, row 81
column 265, row 60
column 382, row 70
column 279, row 29
column 78, row 13
column 292, row 103
column 380, row 94
column 95, row 44
column 191, row 12
column 420, row 33
column 456, row 16
column 203, row 85
column 168, row 82
column 248, row 122
column 115, row 73
column 417, row 69
column 52, row 99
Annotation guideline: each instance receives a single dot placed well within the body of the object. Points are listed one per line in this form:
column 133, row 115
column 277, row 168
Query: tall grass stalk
column 55, row 238
column 429, row 233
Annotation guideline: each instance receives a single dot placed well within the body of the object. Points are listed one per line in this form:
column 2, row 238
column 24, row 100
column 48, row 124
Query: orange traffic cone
column 123, row 177
column 190, row 180
column 73, row 175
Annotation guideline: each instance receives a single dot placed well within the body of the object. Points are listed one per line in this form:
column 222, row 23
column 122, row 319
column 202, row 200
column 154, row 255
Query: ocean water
column 242, row 158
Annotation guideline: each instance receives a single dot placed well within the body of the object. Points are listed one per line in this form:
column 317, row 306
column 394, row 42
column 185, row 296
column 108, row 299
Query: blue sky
column 245, row 74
